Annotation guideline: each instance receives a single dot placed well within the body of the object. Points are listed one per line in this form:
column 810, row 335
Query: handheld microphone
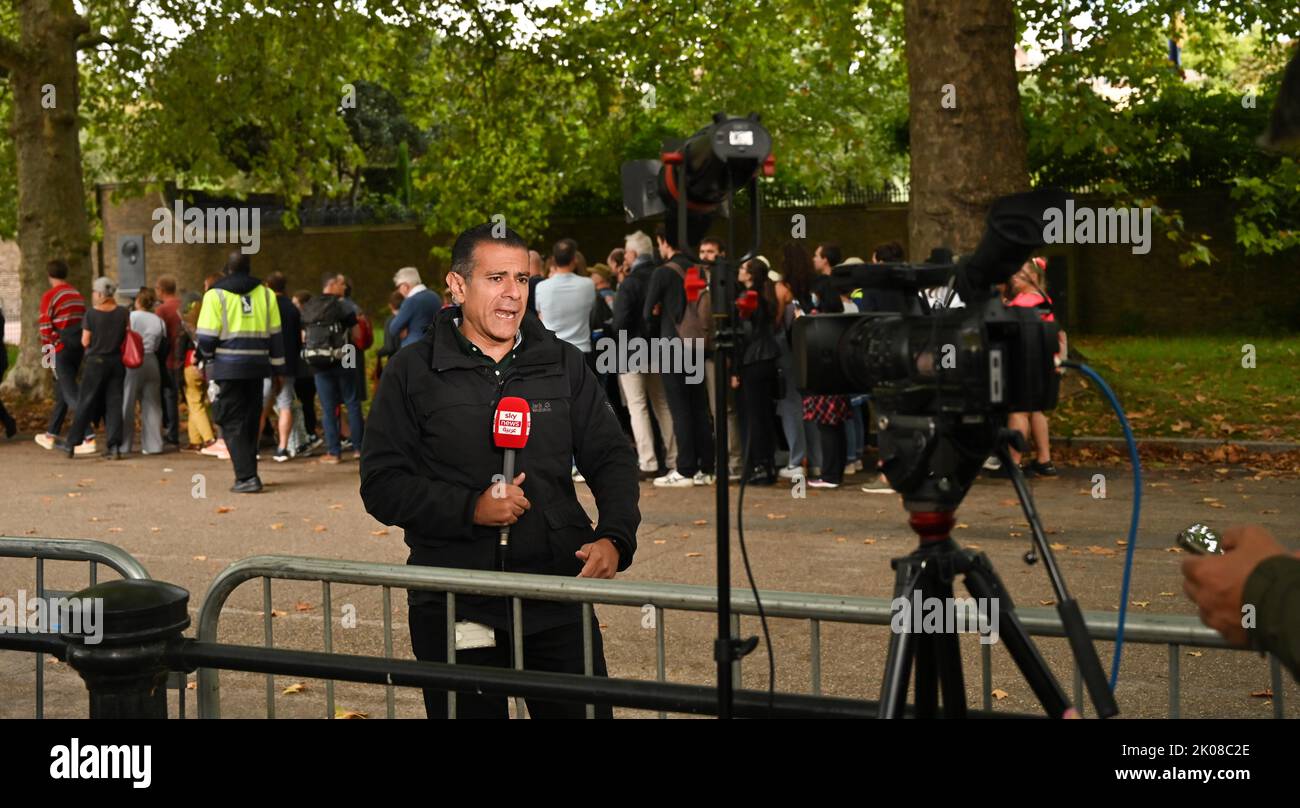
column 510, row 430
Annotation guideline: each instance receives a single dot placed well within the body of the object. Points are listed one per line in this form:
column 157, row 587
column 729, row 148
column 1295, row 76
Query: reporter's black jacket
column 428, row 454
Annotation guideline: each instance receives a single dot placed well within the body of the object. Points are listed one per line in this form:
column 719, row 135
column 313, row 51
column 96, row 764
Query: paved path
column 832, row 541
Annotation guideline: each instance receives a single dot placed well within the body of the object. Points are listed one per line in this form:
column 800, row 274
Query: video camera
column 942, row 380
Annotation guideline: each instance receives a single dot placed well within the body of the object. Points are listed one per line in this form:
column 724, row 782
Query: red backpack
column 365, row 334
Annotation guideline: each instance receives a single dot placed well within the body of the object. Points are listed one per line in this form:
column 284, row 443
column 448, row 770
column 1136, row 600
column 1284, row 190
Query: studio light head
column 718, row 160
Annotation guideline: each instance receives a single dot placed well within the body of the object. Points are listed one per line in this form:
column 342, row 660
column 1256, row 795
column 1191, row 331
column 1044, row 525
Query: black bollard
column 124, row 671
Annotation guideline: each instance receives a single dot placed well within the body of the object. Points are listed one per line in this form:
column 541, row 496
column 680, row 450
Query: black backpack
column 324, row 335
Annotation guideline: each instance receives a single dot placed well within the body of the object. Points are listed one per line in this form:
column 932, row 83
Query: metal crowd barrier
column 1174, row 631
column 95, row 552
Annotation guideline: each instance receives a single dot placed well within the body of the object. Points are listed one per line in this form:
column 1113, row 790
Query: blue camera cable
column 1137, row 510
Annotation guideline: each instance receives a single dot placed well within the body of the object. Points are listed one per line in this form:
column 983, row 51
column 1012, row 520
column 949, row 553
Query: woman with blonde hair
column 1028, row 288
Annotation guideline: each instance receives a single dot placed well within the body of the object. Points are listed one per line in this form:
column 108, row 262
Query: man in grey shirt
column 565, row 299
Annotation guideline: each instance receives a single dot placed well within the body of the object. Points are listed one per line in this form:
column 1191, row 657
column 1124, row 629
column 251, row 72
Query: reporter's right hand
column 501, row 504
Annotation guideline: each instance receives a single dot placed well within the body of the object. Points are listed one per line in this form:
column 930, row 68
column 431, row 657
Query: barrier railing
column 1174, row 631
column 94, row 552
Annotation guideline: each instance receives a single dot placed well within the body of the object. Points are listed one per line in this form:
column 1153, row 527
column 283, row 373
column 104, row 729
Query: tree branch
column 94, row 41
column 11, row 54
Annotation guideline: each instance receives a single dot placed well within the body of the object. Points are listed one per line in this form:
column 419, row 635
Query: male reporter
column 428, row 464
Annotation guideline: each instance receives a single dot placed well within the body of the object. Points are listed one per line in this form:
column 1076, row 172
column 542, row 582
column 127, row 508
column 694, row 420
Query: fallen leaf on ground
column 1057, row 546
column 776, row 516
column 1141, row 604
column 296, row 687
column 344, row 713
column 1266, row 693
column 1122, row 542
column 200, row 558
column 303, row 606
column 960, row 526
column 661, row 541
column 868, row 541
column 225, row 508
column 1166, row 594
column 191, row 685
column 1046, row 603
column 115, row 530
column 1102, row 551
column 1195, row 653
column 74, row 493
column 1269, row 510
column 336, row 507
column 1173, row 549
column 320, row 528
column 383, row 532
column 1000, row 694
column 841, row 539
column 1217, row 505
column 278, row 526
column 700, row 522
column 694, row 555
column 1009, row 502
column 155, row 530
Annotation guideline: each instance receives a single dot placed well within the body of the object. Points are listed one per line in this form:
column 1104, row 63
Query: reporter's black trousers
column 558, row 650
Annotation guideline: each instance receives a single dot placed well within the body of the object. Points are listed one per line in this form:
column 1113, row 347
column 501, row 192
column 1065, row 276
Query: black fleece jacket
column 428, row 455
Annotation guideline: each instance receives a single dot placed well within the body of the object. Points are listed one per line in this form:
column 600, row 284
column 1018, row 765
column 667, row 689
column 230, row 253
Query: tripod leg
column 898, row 662
column 927, row 676
column 983, row 583
column 948, row 661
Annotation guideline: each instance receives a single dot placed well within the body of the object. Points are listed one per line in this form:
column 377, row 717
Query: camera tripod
column 929, row 572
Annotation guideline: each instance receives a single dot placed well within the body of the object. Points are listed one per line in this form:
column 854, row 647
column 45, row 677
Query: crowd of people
column 250, row 361
column 640, row 293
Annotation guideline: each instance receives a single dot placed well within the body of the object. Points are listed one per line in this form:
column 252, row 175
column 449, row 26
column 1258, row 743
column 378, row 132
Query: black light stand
column 728, row 649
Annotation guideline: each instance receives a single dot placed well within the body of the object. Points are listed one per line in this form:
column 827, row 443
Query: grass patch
column 1189, row 387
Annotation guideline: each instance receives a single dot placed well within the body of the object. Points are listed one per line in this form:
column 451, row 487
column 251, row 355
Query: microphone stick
column 507, row 472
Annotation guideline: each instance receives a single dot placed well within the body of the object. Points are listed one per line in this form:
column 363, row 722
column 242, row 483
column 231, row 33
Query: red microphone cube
column 512, row 423
column 695, row 284
column 747, row 303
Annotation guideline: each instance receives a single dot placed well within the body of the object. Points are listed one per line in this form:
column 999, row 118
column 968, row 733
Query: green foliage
column 523, row 109
column 1162, row 130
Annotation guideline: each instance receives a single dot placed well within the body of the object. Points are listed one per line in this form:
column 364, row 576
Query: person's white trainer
column 791, row 472
column 216, row 449
column 45, row 440
column 674, row 480
column 878, row 486
column 701, row 478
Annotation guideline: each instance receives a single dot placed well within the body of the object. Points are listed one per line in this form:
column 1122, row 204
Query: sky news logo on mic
column 510, row 422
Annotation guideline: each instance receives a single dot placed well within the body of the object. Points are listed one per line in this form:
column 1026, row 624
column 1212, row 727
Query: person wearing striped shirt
column 62, row 311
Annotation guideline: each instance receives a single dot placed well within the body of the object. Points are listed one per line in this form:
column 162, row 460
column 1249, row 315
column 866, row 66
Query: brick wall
column 1109, row 289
